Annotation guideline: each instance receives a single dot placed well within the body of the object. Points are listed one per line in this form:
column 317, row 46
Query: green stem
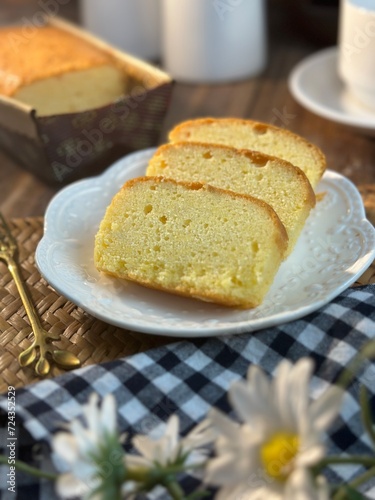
column 175, row 490
column 347, row 375
column 366, row 415
column 140, row 474
column 24, row 467
column 363, row 478
column 148, row 479
column 353, row 459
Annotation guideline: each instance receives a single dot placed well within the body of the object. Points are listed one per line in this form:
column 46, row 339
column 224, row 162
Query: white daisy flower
column 91, row 453
column 270, row 454
column 169, row 449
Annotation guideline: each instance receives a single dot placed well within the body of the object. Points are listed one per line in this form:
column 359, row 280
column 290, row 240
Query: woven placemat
column 92, row 340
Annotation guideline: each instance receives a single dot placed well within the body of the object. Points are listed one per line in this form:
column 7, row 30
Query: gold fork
column 42, row 338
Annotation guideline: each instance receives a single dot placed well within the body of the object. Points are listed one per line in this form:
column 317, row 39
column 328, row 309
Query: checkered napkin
column 191, row 376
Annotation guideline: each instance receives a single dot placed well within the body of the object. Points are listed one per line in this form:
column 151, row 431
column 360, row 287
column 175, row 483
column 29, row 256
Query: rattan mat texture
column 92, row 340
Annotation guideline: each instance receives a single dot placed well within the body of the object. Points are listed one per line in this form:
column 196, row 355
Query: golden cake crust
column 50, row 52
column 185, row 131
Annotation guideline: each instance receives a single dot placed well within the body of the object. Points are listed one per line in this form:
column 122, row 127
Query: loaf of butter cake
column 56, row 72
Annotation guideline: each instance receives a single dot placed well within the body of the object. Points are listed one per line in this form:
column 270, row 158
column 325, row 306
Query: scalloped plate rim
column 242, row 326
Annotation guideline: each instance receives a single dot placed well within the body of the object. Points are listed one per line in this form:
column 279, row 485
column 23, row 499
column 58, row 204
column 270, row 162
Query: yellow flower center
column 278, row 453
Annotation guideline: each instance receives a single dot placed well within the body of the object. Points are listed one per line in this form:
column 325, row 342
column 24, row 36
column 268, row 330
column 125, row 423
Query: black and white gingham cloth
column 190, row 377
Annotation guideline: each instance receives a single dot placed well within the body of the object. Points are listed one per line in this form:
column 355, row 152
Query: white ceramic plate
column 336, row 246
column 315, row 84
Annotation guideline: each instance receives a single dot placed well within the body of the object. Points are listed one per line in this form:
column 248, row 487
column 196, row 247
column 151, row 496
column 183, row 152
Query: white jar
column 356, row 61
column 213, row 40
column 131, row 25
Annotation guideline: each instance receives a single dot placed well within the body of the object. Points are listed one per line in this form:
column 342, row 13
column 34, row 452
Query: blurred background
column 295, row 29
column 306, row 21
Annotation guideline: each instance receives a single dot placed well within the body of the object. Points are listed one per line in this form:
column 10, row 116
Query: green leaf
column 368, row 350
column 108, row 458
column 197, row 495
column 367, row 418
column 351, row 493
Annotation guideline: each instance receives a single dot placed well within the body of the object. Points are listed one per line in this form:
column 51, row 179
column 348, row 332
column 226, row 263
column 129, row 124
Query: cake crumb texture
column 280, row 184
column 191, row 239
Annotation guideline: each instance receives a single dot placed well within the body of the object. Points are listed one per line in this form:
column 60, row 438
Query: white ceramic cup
column 356, row 42
column 131, row 25
column 213, row 40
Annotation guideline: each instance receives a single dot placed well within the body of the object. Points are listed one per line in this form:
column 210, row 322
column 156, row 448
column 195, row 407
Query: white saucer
column 315, row 84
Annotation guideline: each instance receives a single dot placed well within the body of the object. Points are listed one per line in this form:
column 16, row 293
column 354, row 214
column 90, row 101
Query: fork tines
column 7, row 240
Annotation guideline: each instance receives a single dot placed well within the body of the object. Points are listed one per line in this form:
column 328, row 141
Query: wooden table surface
column 265, row 98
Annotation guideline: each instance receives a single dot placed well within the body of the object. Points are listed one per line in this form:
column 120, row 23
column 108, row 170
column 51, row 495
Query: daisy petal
column 86, row 439
column 311, row 455
column 91, row 413
column 201, row 435
column 232, row 493
column 292, row 391
column 243, row 492
column 322, row 487
column 257, row 378
column 65, row 445
column 171, row 433
column 197, row 457
column 299, row 386
column 224, row 424
column 326, row 408
column 249, row 405
column 146, row 446
column 300, row 486
column 68, row 486
column 135, row 461
column 173, row 426
column 108, row 414
column 223, row 470
column 235, row 461
column 166, row 449
column 282, row 392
